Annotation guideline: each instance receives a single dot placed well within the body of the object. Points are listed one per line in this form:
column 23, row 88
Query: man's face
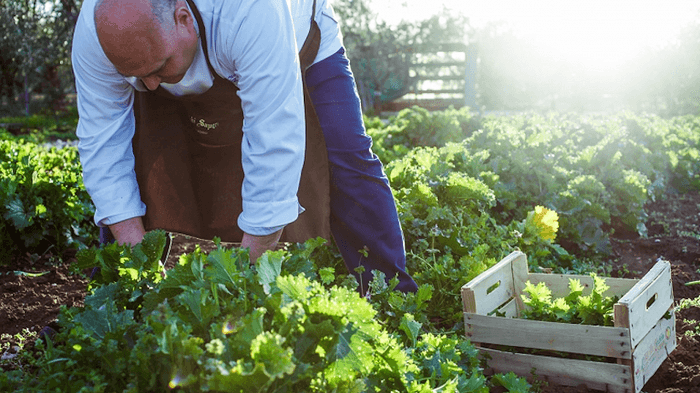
column 139, row 46
column 167, row 61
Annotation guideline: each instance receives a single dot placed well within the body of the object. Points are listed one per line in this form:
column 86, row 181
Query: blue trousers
column 363, row 212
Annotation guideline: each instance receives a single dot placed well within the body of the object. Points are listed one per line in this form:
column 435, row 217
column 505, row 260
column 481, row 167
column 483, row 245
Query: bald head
column 124, row 11
column 139, row 35
column 128, row 29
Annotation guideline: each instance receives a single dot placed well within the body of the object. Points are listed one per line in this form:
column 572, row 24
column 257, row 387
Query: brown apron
column 188, row 159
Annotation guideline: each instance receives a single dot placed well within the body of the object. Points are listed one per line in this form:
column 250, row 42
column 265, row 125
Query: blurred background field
column 493, row 56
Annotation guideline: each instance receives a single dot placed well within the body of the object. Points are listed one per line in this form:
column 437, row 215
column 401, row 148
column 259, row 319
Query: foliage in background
column 41, row 127
column 418, row 127
column 514, row 74
column 36, row 36
column 43, row 203
column 595, row 172
column 35, row 41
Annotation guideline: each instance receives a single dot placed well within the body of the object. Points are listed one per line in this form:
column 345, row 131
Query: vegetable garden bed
column 625, row 188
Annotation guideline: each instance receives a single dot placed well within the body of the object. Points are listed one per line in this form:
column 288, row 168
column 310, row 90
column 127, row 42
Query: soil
column 29, row 303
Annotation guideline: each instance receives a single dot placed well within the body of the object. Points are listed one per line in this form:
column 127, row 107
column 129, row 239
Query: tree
column 381, row 54
column 35, row 41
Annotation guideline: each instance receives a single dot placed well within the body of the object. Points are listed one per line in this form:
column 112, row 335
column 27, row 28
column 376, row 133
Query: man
column 192, row 119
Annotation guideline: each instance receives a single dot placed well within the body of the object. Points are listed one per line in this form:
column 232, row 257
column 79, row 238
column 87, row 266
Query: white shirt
column 252, row 43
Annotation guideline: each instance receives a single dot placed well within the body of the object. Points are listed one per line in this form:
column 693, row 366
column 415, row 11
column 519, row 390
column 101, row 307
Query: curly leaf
column 512, row 382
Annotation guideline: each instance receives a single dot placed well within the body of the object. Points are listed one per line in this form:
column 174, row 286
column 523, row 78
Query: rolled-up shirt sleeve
column 264, row 51
column 105, row 129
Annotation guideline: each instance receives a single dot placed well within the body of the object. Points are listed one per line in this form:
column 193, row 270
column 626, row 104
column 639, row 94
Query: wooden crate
column 635, row 347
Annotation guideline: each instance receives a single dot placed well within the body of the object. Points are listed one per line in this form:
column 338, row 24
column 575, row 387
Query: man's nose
column 151, row 81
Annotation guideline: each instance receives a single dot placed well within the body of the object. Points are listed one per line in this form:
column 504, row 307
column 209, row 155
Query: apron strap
column 202, row 34
column 309, row 50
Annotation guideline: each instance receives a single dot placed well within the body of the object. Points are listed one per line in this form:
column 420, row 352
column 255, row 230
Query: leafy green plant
column 43, row 201
column 216, row 323
column 592, row 309
column 14, row 349
column 418, row 127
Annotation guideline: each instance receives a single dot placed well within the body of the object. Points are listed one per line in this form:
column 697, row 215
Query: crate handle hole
column 652, row 300
column 493, row 287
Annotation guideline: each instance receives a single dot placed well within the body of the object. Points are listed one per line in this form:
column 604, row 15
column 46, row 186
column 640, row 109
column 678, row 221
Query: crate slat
column 653, row 350
column 608, row 377
column 519, row 266
column 657, row 285
column 500, row 273
column 510, row 309
column 580, row 339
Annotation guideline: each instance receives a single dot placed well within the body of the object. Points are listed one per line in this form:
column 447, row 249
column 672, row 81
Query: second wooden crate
column 643, row 336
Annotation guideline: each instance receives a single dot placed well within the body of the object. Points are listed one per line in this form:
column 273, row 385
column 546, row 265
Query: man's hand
column 129, row 231
column 259, row 244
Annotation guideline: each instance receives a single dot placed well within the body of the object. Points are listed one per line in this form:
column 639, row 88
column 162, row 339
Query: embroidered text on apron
column 188, row 159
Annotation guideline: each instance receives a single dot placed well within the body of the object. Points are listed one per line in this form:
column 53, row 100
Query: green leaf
column 239, row 378
column 560, row 309
column 192, row 298
column 575, row 291
column 432, row 364
column 269, row 267
column 40, row 210
column 178, row 278
column 104, row 295
column 411, row 327
column 296, row 287
column 539, row 300
column 131, row 273
column 26, row 274
column 343, row 348
column 16, row 213
column 512, row 382
column 105, row 320
column 599, row 285
column 252, row 326
column 424, row 294
column 453, row 242
column 327, row 275
column 475, row 384
column 267, row 348
column 222, row 266
column 153, row 244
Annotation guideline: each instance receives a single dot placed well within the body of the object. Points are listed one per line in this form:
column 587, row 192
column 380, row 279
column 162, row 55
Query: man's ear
column 183, row 16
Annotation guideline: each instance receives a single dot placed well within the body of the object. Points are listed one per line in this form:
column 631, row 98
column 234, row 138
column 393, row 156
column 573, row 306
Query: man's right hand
column 129, row 231
column 257, row 245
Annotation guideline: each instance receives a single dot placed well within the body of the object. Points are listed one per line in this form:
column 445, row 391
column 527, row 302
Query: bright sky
column 608, row 31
